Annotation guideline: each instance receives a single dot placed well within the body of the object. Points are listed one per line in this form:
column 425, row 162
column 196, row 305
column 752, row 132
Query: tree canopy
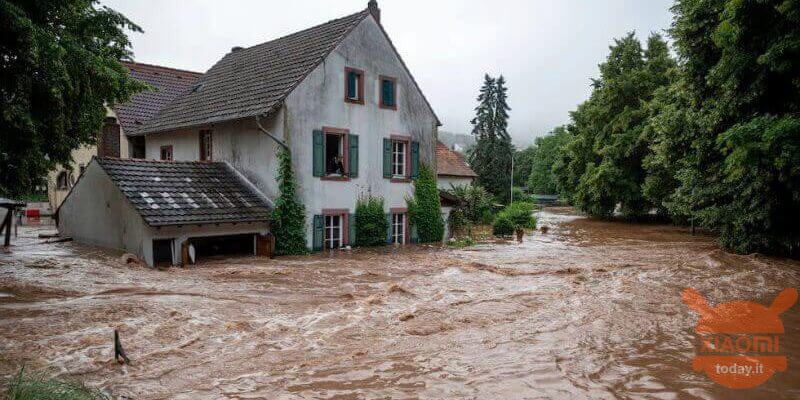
column 59, row 69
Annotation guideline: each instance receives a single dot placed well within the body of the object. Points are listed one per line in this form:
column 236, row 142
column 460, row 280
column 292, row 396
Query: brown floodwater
column 591, row 309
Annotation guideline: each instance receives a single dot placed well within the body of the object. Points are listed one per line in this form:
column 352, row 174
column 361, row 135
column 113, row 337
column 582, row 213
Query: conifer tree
column 491, row 159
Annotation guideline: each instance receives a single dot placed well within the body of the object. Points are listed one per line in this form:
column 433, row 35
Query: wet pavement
column 591, row 309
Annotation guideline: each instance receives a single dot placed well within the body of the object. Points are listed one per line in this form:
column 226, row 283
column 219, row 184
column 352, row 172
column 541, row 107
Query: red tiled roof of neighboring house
column 167, row 83
column 451, row 163
column 256, row 80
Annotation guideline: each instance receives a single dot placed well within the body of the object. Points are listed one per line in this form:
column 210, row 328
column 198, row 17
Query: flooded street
column 591, row 310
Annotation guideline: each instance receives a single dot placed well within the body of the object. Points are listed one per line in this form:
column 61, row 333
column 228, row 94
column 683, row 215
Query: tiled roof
column 185, row 192
column 451, row 163
column 255, row 80
column 167, row 84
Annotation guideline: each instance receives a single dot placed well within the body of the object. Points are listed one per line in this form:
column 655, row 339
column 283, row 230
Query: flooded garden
column 591, row 309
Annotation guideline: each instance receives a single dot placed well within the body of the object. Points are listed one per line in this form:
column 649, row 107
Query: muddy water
column 589, row 310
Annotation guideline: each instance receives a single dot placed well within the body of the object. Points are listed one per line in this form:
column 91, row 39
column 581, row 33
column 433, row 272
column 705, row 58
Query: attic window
column 197, row 88
column 354, row 85
column 388, row 93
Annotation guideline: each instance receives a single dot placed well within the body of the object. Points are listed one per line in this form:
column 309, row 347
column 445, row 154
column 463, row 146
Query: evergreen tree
column 491, row 158
column 288, row 217
column 59, row 69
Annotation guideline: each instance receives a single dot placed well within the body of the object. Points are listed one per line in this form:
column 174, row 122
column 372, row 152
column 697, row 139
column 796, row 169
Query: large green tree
column 741, row 169
column 59, row 69
column 547, row 148
column 602, row 167
column 493, row 152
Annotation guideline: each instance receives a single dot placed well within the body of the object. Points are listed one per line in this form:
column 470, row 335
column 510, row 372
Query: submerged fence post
column 119, row 352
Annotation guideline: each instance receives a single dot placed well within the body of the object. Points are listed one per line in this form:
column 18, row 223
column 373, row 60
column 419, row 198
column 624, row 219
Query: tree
column 741, row 173
column 59, row 69
column 541, row 178
column 371, row 223
column 602, row 165
column 491, row 158
column 288, row 217
column 523, row 164
column 425, row 208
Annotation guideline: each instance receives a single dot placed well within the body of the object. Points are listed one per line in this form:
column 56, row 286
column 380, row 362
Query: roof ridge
column 135, row 64
column 144, row 160
column 365, row 12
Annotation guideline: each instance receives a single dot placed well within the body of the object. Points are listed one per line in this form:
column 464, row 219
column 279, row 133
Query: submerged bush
column 36, row 387
column 371, row 223
column 514, row 217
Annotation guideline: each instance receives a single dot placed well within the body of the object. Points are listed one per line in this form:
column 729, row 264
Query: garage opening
column 162, row 252
column 231, row 245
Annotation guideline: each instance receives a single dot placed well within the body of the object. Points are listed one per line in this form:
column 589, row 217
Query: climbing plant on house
column 425, row 209
column 371, row 223
column 288, row 218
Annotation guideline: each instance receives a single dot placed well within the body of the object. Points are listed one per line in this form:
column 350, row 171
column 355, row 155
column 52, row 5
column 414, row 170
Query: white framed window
column 399, row 149
column 333, row 231
column 398, row 228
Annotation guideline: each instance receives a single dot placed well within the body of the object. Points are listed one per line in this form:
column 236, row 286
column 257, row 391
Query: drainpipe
column 273, row 137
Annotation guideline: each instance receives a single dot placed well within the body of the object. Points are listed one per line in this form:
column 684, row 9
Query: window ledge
column 335, row 178
column 385, row 107
column 354, row 101
column 400, row 180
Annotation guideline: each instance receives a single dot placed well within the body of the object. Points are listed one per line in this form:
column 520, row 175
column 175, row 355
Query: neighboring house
column 340, row 98
column 451, row 169
column 122, row 122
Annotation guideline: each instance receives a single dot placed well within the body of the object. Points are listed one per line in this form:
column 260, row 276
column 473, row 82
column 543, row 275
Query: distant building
column 451, row 168
column 118, row 135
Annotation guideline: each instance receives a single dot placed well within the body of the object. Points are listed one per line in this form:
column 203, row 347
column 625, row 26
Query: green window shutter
column 351, row 222
column 389, row 231
column 319, row 232
column 414, row 233
column 352, row 77
column 387, row 86
column 353, row 156
column 387, row 158
column 319, row 153
column 414, row 160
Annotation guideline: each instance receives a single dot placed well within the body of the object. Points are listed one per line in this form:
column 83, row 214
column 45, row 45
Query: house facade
column 116, row 137
column 338, row 96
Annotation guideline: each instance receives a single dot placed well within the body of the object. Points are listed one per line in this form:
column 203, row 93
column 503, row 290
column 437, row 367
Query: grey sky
column 547, row 50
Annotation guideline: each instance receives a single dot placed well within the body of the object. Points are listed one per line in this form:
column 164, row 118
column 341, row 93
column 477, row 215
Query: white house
column 337, row 95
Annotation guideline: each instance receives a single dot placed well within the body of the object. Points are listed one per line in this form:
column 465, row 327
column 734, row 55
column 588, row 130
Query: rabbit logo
column 739, row 341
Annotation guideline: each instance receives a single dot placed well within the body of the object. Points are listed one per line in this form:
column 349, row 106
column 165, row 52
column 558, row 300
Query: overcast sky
column 547, row 50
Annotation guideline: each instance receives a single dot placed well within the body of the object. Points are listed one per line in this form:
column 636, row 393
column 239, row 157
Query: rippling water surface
column 591, row 309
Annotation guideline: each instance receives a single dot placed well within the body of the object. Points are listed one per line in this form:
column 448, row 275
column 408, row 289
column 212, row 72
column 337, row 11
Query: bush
column 34, row 387
column 371, row 224
column 518, row 215
column 476, row 203
column 425, row 209
column 288, row 217
column 502, row 225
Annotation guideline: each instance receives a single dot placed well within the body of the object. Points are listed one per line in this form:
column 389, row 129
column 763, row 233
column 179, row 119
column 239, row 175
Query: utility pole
column 512, row 175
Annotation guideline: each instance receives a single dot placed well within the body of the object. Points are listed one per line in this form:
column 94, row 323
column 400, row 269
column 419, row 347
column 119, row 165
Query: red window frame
column 170, row 154
column 359, row 89
column 407, row 140
column 381, row 104
column 206, row 144
column 344, row 214
column 345, row 138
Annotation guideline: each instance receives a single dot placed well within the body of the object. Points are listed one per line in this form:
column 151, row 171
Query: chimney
column 236, row 48
column 372, row 6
